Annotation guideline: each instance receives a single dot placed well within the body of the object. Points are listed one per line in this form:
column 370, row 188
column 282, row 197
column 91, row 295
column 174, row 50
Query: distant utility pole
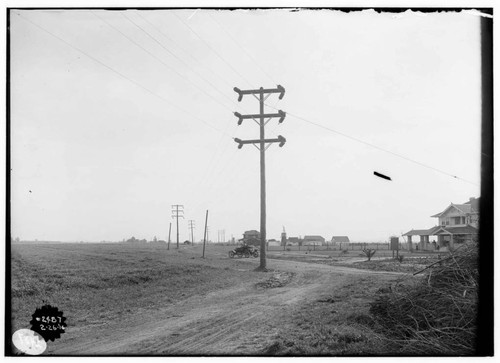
column 177, row 212
column 262, row 94
column 169, row 229
column 205, row 234
column 191, row 226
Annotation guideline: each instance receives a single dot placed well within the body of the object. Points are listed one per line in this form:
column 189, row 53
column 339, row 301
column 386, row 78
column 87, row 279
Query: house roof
column 456, row 230
column 423, row 232
column 313, row 237
column 418, row 232
column 340, row 239
column 472, row 206
column 251, row 231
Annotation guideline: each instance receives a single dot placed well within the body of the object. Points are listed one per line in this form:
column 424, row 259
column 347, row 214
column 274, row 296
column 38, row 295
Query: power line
column 213, row 50
column 154, row 56
column 120, row 74
column 186, row 52
column 377, row 147
column 224, row 132
column 244, row 50
column 180, row 60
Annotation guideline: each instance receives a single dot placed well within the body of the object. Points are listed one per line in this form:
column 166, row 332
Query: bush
column 369, row 253
column 435, row 315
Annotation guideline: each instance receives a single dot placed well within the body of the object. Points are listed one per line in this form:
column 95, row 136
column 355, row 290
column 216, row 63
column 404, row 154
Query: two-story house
column 457, row 223
column 251, row 237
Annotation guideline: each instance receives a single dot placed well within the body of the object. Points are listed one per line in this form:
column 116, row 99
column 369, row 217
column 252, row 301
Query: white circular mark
column 29, row 342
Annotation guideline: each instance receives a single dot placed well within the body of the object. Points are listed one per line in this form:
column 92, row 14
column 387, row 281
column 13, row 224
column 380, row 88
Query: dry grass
column 337, row 324
column 436, row 315
column 98, row 283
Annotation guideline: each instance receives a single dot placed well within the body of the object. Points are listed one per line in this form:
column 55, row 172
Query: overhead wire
column 377, row 147
column 230, row 86
column 119, row 73
column 213, row 50
column 180, row 60
column 319, row 125
column 211, row 166
column 249, row 55
column 157, row 58
column 252, row 58
column 224, row 133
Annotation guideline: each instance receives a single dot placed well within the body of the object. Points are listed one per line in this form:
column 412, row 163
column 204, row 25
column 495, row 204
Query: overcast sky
column 115, row 116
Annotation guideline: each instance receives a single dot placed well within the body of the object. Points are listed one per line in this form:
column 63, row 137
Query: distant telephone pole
column 177, row 212
column 262, row 94
column 205, row 234
column 169, row 229
column 191, row 226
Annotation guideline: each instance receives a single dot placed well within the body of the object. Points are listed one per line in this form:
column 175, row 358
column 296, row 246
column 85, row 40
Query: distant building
column 294, row 241
column 340, row 239
column 273, row 243
column 313, row 240
column 251, row 234
column 251, row 237
column 458, row 223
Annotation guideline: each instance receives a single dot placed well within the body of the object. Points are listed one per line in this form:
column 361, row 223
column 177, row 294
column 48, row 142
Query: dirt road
column 240, row 320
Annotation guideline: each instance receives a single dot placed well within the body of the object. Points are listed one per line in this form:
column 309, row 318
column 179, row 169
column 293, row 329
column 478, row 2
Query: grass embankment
column 431, row 314
column 336, row 324
column 94, row 284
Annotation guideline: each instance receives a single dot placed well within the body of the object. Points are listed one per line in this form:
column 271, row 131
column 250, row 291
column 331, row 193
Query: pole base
column 261, row 269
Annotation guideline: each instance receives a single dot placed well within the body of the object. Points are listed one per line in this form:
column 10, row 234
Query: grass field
column 96, row 283
column 102, row 288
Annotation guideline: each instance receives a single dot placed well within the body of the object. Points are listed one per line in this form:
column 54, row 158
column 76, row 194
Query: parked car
column 244, row 251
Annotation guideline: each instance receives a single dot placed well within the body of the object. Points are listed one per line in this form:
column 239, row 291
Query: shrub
column 369, row 253
column 435, row 315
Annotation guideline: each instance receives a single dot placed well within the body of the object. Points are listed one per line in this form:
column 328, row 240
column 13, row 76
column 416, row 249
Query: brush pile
column 436, row 314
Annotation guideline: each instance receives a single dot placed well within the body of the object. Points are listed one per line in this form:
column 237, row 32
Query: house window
column 458, row 220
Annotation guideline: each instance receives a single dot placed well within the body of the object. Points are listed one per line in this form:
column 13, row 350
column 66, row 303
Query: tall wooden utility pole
column 177, row 212
column 205, row 234
column 263, row 95
column 169, row 229
column 191, row 226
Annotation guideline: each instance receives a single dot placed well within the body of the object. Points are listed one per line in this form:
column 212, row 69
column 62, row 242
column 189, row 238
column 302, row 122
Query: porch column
column 451, row 241
column 409, row 243
column 422, row 243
